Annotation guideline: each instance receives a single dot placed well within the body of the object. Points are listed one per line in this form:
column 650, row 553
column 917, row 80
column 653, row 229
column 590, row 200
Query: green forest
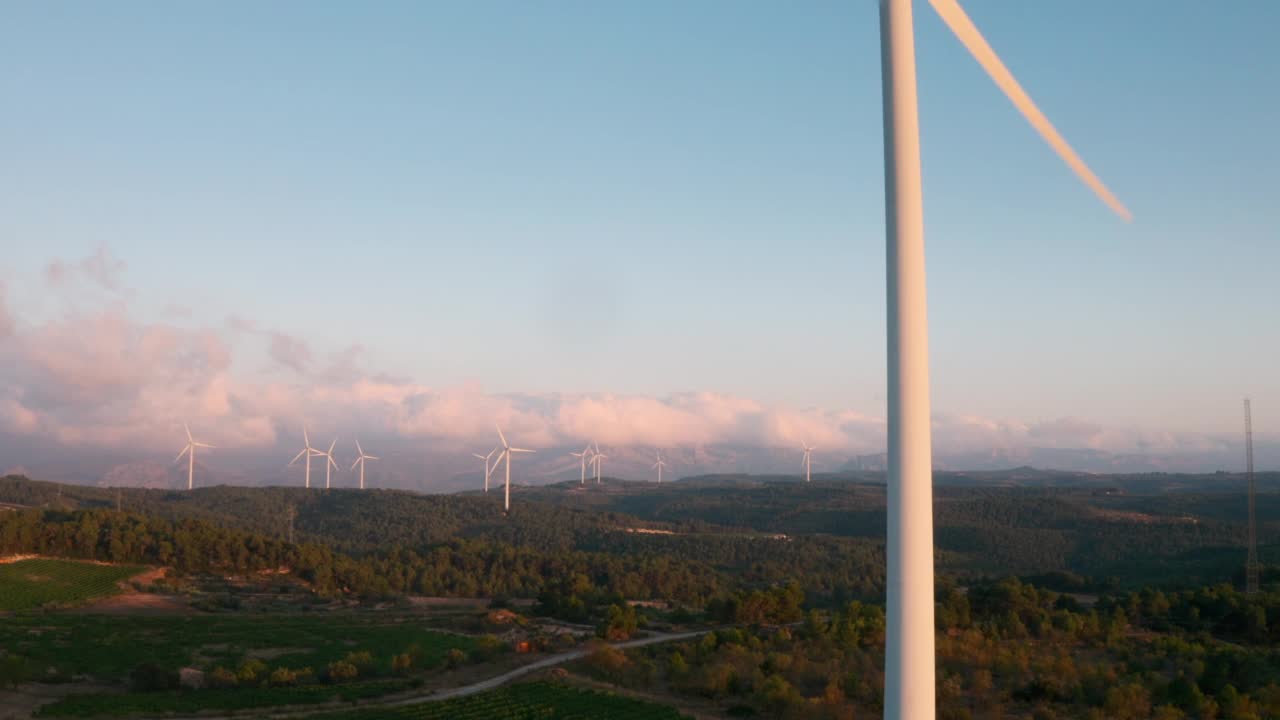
column 1052, row 601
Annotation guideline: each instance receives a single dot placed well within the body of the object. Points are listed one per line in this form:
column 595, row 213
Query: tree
column 620, row 623
column 1129, row 701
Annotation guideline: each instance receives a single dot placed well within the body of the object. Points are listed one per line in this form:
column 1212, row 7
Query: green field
column 194, row 701
column 109, row 648
column 28, row 584
column 540, row 700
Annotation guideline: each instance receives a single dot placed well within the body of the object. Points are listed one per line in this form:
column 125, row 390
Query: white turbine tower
column 584, row 457
column 487, row 470
column 329, row 464
column 308, row 452
column 659, row 465
column 909, row 651
column 190, row 452
column 506, row 453
column 360, row 461
column 808, row 459
column 596, row 458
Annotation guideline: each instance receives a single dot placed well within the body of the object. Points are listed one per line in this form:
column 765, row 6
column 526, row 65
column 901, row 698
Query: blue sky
column 667, row 196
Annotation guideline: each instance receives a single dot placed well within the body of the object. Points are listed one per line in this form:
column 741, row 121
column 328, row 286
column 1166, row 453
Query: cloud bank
column 100, row 378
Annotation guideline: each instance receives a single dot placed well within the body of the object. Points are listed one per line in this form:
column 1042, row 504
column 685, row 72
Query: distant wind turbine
column 506, row 453
column 190, row 452
column 360, row 461
column 306, row 452
column 659, row 465
column 596, row 458
column 329, row 464
column 909, row 623
column 585, row 457
column 808, row 459
column 488, row 470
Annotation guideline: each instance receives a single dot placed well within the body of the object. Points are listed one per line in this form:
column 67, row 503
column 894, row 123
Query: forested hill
column 1098, row 531
column 830, row 534
column 346, row 519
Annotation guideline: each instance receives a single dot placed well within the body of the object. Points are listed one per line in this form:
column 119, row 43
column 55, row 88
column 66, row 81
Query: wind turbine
column 190, row 452
column 307, row 452
column 585, row 457
column 360, row 461
column 909, row 629
column 808, row 459
column 506, row 453
column 329, row 464
column 487, row 470
column 596, row 458
column 659, row 465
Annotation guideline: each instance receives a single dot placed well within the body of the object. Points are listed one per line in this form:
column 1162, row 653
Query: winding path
column 542, row 664
column 477, row 687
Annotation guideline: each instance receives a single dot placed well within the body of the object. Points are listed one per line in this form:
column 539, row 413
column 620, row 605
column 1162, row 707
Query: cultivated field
column 28, row 584
column 255, row 648
column 190, row 702
column 108, row 650
column 540, row 700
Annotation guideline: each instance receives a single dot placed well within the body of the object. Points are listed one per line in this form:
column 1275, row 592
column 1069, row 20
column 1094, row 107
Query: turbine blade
column 204, row 445
column 298, row 457
column 955, row 18
column 504, row 437
column 305, row 440
column 357, row 462
column 359, row 449
column 482, row 457
column 188, row 429
column 335, row 442
column 371, row 457
column 184, row 452
column 520, row 450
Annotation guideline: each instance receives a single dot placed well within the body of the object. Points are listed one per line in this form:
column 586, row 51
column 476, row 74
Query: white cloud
column 99, row 378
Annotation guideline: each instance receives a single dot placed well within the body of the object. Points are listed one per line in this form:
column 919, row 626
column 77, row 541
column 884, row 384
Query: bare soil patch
column 275, row 652
column 139, row 603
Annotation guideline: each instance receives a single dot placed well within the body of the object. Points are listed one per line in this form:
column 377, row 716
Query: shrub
column 149, row 677
column 340, row 671
column 251, row 670
column 13, row 670
column 362, row 660
column 221, row 677
column 283, row 676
